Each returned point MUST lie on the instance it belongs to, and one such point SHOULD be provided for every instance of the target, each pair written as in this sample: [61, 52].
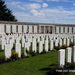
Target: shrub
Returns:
[57, 70]
[8, 60]
[53, 49]
[32, 53]
[57, 48]
[71, 44]
[70, 66]
[14, 56]
[13, 46]
[22, 55]
[2, 59]
[43, 52]
[64, 46]
[26, 56]
[37, 44]
[1, 50]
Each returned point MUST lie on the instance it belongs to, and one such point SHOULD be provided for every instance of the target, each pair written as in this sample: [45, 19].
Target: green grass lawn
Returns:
[37, 65]
[30, 66]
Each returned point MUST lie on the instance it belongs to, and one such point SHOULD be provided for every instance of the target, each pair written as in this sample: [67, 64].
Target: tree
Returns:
[5, 13]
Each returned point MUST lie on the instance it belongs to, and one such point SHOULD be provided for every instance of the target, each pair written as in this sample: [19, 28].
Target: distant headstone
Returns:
[74, 54]
[60, 42]
[40, 47]
[18, 49]
[34, 45]
[46, 45]
[25, 48]
[3, 43]
[68, 42]
[64, 41]
[51, 44]
[56, 42]
[23, 41]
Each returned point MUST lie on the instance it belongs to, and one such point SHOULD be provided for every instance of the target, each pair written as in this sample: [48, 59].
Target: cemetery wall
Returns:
[27, 27]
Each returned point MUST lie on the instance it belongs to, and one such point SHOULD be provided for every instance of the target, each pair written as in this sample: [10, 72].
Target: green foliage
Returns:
[32, 53]
[9, 60]
[14, 56]
[57, 70]
[5, 13]
[64, 46]
[43, 52]
[29, 66]
[37, 44]
[53, 49]
[22, 55]
[53, 70]
[71, 44]
[56, 48]
[1, 50]
[37, 51]
[70, 66]
[2, 59]
[13, 46]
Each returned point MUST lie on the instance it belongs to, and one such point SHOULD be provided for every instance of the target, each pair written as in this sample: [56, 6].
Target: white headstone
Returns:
[25, 48]
[51, 44]
[64, 41]
[18, 49]
[23, 41]
[60, 42]
[38, 39]
[68, 54]
[7, 51]
[74, 54]
[46, 45]
[34, 45]
[3, 43]
[11, 44]
[68, 42]
[40, 47]
[61, 57]
[56, 42]
[72, 40]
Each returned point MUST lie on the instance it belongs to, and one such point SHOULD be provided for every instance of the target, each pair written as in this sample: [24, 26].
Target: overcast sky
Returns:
[43, 11]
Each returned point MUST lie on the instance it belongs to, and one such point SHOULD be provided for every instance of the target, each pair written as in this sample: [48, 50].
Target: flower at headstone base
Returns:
[14, 56]
[64, 46]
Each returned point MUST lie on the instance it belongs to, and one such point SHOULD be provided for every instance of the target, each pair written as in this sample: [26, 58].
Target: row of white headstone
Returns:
[7, 42]
[67, 54]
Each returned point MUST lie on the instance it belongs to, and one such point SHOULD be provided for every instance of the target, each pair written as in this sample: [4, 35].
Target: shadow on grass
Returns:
[51, 70]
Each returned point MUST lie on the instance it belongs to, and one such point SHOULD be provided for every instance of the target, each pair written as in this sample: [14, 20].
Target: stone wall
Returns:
[27, 27]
